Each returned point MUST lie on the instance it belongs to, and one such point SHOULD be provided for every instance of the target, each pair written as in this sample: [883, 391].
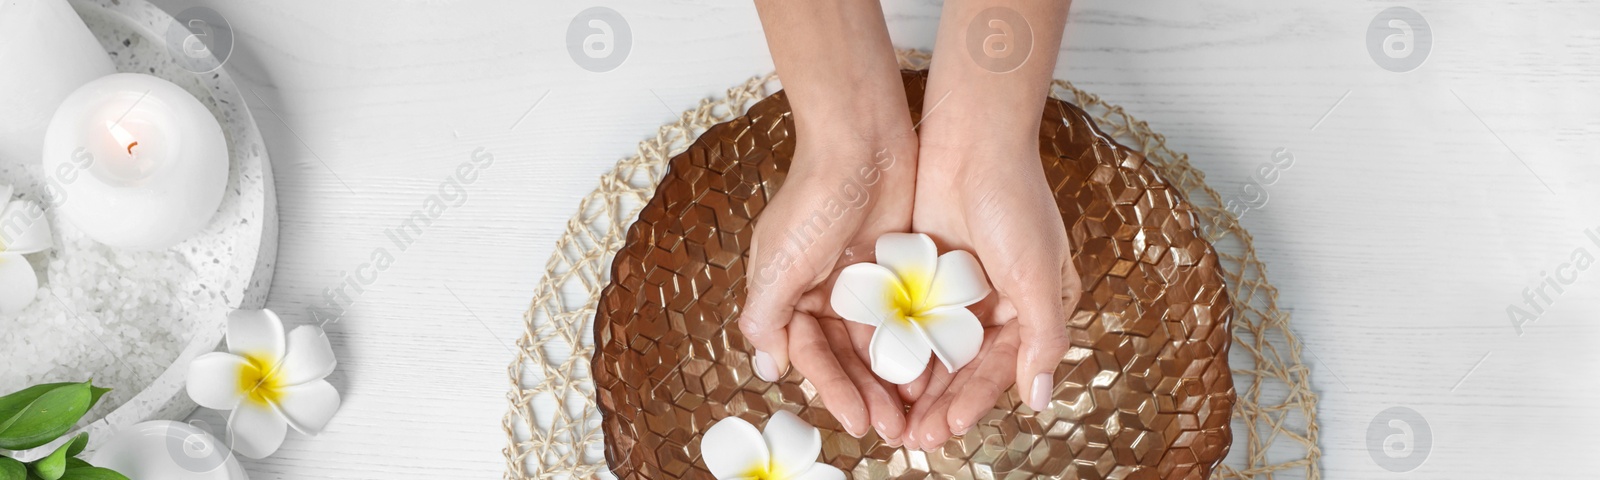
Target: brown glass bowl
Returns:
[1145, 391]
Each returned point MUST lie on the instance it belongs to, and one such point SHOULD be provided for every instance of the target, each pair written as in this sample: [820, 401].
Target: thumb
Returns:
[768, 307]
[778, 273]
[1041, 312]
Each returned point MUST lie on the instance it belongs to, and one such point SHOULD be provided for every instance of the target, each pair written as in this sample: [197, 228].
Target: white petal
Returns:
[257, 333]
[820, 471]
[213, 380]
[24, 228]
[732, 448]
[794, 443]
[309, 406]
[256, 431]
[309, 357]
[865, 293]
[912, 256]
[18, 284]
[955, 335]
[958, 282]
[899, 353]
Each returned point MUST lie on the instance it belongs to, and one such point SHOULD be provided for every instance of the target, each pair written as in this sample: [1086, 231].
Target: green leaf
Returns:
[95, 393]
[47, 417]
[76, 463]
[92, 473]
[11, 405]
[77, 444]
[52, 466]
[11, 469]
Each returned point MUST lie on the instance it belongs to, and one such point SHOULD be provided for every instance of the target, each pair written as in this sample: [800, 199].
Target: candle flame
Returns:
[123, 137]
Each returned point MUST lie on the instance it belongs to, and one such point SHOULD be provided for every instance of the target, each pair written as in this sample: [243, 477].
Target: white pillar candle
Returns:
[45, 53]
[135, 162]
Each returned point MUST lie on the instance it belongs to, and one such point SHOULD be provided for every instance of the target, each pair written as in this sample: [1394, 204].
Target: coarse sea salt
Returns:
[117, 317]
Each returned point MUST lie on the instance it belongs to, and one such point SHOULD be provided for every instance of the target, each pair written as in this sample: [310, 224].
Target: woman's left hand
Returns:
[989, 196]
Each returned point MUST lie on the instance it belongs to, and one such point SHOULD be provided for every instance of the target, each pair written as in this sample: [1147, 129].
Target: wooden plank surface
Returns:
[1419, 208]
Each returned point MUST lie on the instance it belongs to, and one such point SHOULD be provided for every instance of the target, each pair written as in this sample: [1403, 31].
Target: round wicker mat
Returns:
[1143, 394]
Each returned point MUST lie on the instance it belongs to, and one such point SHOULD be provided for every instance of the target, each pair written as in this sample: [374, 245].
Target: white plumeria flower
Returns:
[786, 450]
[23, 230]
[270, 384]
[918, 300]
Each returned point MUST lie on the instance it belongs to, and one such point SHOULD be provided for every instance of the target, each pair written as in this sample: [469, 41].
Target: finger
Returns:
[861, 340]
[932, 425]
[988, 381]
[910, 392]
[1041, 313]
[814, 359]
[779, 271]
[937, 381]
[995, 311]
[885, 411]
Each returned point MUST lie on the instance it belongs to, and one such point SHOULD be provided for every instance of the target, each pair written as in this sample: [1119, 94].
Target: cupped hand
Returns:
[847, 184]
[989, 196]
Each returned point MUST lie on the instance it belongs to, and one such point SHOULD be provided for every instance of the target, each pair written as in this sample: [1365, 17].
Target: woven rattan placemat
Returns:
[554, 427]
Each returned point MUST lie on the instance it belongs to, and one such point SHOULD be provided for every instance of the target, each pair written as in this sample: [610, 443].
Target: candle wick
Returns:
[130, 147]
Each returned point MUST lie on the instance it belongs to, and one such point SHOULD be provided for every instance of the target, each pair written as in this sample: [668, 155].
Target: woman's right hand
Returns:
[852, 179]
[848, 184]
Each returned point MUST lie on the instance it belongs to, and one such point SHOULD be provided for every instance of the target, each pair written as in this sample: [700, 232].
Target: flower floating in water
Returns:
[786, 450]
[918, 300]
[23, 230]
[269, 383]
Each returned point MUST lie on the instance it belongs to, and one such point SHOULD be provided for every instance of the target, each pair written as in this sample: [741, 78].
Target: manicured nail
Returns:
[962, 428]
[929, 444]
[1042, 385]
[766, 367]
[850, 427]
[891, 442]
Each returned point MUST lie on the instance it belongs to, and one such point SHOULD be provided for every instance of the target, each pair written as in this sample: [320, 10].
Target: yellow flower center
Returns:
[910, 296]
[761, 472]
[258, 382]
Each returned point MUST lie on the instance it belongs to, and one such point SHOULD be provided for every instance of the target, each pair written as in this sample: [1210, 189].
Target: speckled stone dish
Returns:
[234, 255]
[1144, 393]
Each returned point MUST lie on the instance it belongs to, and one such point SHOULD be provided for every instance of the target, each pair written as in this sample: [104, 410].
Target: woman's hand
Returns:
[981, 187]
[987, 194]
[841, 193]
[850, 181]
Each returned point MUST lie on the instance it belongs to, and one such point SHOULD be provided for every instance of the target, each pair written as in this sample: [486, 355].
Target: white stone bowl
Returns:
[242, 237]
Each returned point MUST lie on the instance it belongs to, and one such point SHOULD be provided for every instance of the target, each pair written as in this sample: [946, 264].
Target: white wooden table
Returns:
[1420, 205]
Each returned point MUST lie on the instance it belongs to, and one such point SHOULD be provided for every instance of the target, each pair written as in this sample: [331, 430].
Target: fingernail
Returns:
[766, 367]
[928, 442]
[962, 428]
[849, 425]
[1042, 385]
[891, 442]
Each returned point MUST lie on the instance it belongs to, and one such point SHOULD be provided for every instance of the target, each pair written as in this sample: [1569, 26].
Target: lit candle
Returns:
[135, 162]
[45, 53]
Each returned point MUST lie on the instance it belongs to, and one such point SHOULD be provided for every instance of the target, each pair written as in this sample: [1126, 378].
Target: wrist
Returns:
[868, 111]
